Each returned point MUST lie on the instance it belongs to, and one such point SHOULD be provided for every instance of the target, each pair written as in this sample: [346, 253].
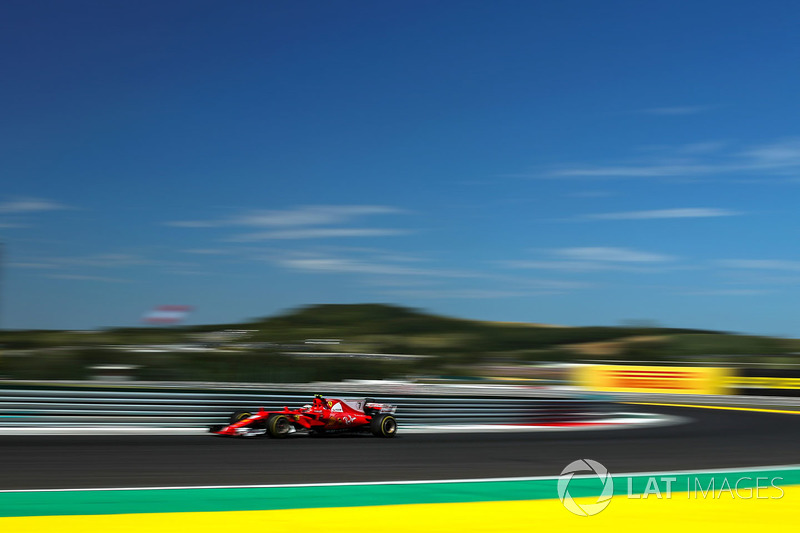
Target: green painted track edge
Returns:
[183, 500]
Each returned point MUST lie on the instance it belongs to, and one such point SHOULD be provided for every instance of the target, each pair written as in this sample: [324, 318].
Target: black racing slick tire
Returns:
[278, 426]
[238, 416]
[383, 426]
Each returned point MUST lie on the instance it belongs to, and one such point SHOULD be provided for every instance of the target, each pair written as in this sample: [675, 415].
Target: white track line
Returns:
[621, 422]
[599, 425]
[427, 481]
[98, 430]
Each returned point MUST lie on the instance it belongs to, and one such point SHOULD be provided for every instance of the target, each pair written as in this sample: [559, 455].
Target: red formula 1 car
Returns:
[325, 415]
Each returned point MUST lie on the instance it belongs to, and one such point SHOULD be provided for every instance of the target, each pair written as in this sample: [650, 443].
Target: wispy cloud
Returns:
[29, 205]
[706, 147]
[107, 260]
[699, 159]
[501, 287]
[314, 215]
[682, 212]
[401, 274]
[781, 155]
[301, 223]
[589, 259]
[30, 265]
[639, 171]
[315, 233]
[467, 294]
[207, 251]
[730, 292]
[402, 271]
[342, 265]
[317, 215]
[111, 267]
[82, 277]
[196, 223]
[614, 255]
[17, 212]
[761, 264]
[100, 260]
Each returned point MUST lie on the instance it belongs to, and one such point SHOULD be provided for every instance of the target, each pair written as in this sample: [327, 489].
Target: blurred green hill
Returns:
[332, 342]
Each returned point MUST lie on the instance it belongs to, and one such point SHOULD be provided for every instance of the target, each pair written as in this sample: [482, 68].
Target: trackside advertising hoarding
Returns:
[658, 379]
[766, 381]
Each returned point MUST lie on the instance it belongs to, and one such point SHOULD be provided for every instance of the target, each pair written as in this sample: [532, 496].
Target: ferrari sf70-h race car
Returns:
[325, 415]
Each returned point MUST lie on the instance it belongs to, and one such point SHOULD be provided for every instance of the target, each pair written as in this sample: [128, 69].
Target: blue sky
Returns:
[577, 163]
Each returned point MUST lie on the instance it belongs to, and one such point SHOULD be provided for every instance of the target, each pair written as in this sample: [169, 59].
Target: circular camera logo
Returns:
[585, 509]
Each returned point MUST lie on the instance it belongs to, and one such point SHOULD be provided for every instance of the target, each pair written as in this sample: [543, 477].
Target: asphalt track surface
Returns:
[710, 439]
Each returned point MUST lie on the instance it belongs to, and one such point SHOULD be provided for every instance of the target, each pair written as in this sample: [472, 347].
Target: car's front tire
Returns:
[238, 416]
[383, 426]
[278, 426]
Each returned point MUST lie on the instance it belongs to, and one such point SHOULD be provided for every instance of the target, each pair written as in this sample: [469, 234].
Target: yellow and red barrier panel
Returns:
[657, 379]
[778, 382]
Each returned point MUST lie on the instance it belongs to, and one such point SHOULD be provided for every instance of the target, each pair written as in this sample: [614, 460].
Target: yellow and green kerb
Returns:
[761, 499]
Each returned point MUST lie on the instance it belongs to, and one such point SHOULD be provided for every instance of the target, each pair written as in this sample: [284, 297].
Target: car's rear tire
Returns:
[384, 425]
[238, 416]
[278, 426]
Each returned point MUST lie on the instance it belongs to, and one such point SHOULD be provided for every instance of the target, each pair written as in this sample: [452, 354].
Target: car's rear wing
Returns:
[381, 407]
